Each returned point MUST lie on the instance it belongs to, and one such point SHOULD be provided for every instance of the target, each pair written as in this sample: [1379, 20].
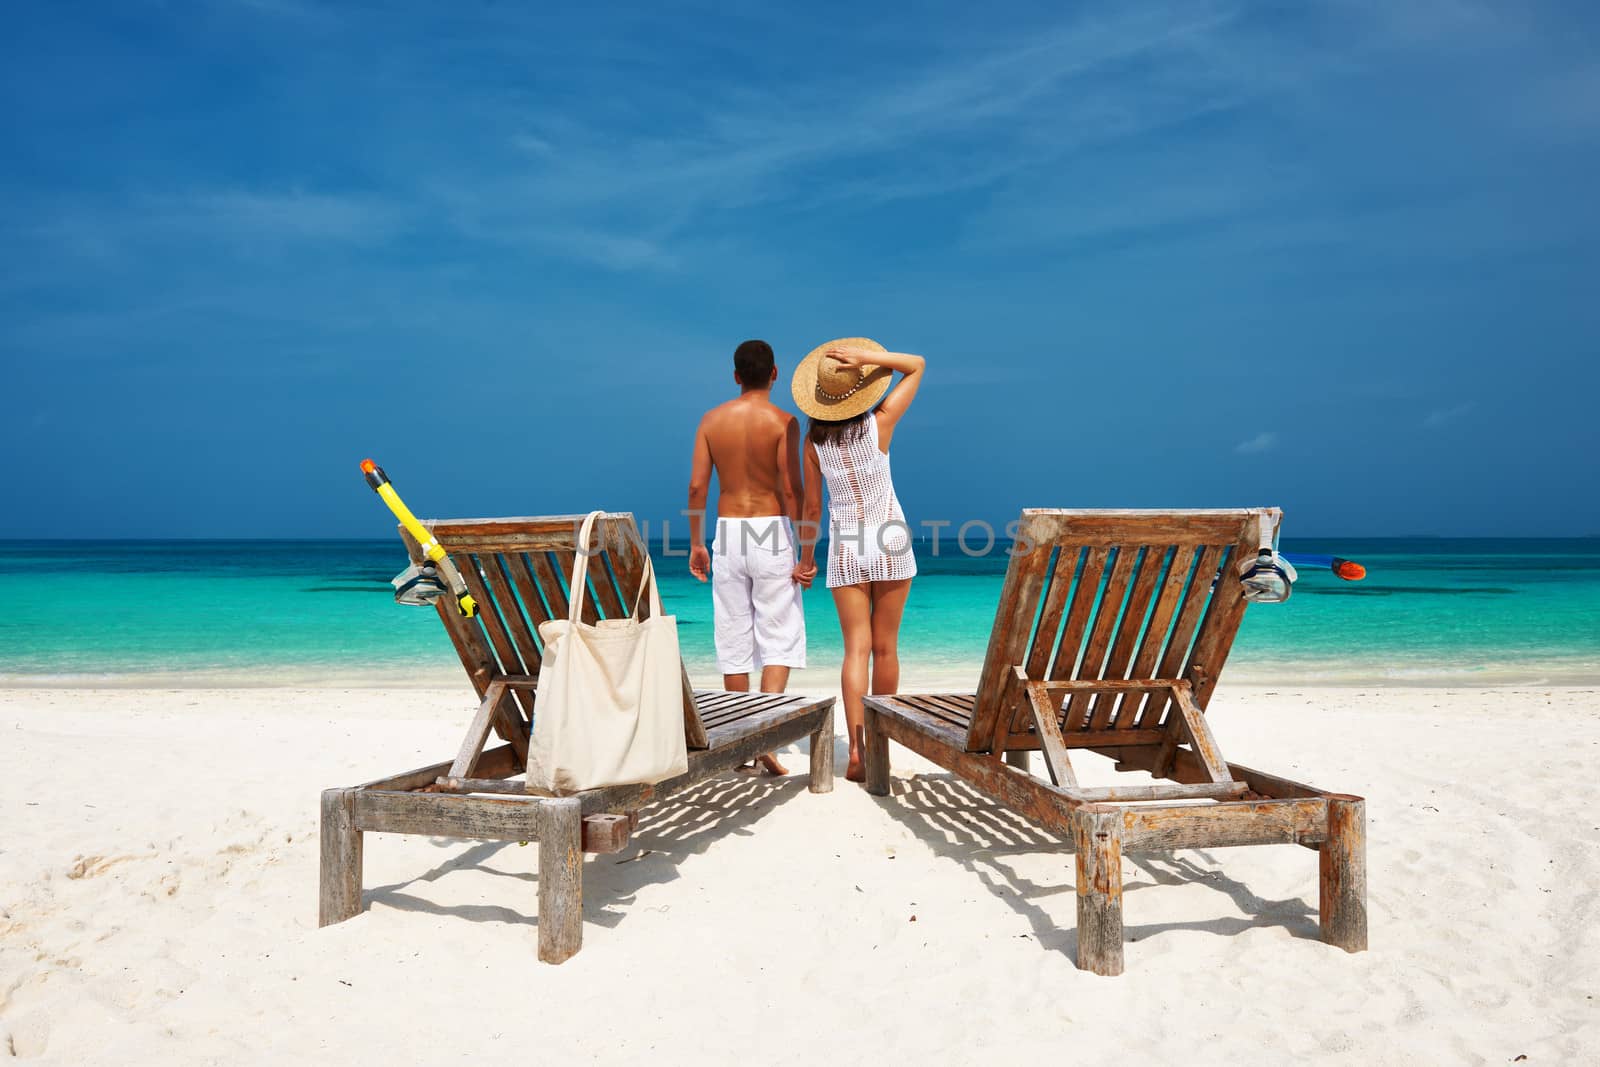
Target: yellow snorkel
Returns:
[431, 548]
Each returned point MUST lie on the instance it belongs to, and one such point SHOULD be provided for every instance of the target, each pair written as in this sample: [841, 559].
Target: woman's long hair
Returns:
[840, 432]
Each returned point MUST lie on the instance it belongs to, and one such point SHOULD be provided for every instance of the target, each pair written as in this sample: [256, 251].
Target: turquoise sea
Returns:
[1431, 611]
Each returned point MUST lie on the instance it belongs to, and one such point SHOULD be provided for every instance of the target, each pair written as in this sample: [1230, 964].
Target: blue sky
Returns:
[1338, 257]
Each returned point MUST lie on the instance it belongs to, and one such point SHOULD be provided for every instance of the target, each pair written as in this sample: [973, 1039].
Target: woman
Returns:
[870, 564]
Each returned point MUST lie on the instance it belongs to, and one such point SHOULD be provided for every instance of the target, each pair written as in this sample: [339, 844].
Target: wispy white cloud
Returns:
[1445, 416]
[112, 229]
[1261, 442]
[967, 122]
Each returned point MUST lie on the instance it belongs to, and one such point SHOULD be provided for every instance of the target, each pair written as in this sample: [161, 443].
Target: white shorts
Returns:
[760, 621]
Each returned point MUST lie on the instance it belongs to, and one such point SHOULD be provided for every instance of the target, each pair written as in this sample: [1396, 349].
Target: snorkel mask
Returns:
[1268, 578]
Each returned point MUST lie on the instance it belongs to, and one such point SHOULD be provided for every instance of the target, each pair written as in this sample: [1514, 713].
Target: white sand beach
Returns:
[158, 897]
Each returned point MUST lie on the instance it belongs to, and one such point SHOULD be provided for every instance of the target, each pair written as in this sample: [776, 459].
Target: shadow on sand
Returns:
[670, 832]
[959, 823]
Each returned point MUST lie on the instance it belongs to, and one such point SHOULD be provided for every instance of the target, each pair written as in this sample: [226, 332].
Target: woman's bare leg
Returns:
[854, 605]
[888, 605]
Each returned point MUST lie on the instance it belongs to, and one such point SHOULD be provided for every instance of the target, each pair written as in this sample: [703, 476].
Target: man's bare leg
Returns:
[773, 679]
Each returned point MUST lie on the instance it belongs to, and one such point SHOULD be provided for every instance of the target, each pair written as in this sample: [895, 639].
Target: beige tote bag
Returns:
[609, 707]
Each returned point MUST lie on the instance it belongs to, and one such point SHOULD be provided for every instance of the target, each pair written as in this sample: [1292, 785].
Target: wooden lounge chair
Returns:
[1111, 631]
[516, 570]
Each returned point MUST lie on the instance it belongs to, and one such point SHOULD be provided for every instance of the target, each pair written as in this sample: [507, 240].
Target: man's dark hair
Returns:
[752, 361]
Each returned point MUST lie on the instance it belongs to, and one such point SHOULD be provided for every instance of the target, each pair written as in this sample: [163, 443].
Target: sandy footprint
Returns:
[95, 866]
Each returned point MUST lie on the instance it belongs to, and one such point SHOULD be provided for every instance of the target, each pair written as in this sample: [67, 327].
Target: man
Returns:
[753, 446]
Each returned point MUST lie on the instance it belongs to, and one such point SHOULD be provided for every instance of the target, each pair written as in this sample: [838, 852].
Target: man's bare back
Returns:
[754, 447]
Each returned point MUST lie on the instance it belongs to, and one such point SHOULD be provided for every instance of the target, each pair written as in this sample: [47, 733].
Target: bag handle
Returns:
[578, 584]
[648, 579]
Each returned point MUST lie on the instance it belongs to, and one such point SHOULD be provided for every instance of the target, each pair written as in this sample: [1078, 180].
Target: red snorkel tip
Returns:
[375, 476]
[1349, 570]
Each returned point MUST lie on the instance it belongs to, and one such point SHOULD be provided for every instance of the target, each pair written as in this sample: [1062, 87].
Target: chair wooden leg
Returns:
[1097, 838]
[1018, 758]
[559, 823]
[1342, 862]
[340, 886]
[822, 756]
[877, 754]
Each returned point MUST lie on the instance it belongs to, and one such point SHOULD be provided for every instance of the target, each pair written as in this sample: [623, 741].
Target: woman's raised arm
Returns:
[900, 397]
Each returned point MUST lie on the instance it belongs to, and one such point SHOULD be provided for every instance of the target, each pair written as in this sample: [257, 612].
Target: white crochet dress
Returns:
[868, 539]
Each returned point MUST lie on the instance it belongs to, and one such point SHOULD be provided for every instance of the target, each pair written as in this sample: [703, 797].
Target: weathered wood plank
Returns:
[447, 815]
[877, 753]
[511, 614]
[1155, 634]
[1187, 768]
[477, 731]
[1240, 822]
[1097, 839]
[1048, 729]
[1199, 732]
[495, 763]
[1076, 714]
[559, 530]
[938, 728]
[1111, 685]
[1019, 596]
[1055, 603]
[550, 583]
[1128, 629]
[559, 830]
[499, 638]
[616, 600]
[822, 756]
[1199, 791]
[512, 787]
[339, 895]
[1109, 527]
[528, 591]
[1083, 602]
[1223, 616]
[1172, 657]
[1342, 881]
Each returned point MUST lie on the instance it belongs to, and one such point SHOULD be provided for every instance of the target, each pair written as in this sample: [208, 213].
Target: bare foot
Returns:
[768, 763]
[855, 772]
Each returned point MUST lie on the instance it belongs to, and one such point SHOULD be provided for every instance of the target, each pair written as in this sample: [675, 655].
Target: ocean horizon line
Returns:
[949, 535]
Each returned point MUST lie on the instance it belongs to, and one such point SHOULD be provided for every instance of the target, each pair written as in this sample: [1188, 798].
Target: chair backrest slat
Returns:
[1194, 603]
[1083, 602]
[1173, 584]
[1128, 631]
[517, 570]
[1094, 653]
[1119, 595]
[511, 613]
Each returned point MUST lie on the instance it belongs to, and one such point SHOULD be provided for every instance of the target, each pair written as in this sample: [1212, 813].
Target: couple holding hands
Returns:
[770, 478]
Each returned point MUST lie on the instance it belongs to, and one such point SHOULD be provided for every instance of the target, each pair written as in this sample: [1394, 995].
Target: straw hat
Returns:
[825, 388]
